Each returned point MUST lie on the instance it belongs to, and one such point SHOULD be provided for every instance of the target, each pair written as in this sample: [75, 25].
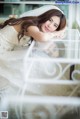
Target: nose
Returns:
[50, 25]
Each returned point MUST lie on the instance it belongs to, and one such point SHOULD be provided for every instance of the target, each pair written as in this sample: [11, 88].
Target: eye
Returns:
[56, 25]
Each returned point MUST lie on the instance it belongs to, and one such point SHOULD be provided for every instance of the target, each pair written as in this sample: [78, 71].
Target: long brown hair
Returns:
[35, 21]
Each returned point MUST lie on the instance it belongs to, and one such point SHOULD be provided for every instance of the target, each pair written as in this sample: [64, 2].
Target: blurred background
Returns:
[17, 7]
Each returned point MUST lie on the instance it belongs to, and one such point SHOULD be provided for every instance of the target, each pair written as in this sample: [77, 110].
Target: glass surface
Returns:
[50, 88]
[37, 107]
[66, 48]
[55, 59]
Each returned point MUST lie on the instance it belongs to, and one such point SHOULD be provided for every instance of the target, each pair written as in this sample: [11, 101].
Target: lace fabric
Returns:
[8, 39]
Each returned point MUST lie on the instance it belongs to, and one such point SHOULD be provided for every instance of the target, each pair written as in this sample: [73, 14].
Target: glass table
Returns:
[60, 55]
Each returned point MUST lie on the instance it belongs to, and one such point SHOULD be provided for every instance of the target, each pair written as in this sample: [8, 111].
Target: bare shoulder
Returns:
[33, 31]
[17, 27]
[33, 28]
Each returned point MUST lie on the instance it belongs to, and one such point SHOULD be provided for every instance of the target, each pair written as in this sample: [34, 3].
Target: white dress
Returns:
[9, 40]
[11, 62]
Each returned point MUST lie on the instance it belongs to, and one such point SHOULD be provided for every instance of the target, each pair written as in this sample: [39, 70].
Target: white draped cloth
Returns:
[11, 58]
[9, 39]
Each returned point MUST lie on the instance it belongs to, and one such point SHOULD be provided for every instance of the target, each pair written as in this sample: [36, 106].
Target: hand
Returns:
[60, 34]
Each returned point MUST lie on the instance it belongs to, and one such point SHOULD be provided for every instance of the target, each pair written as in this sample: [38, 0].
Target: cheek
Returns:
[54, 28]
[45, 24]
[42, 27]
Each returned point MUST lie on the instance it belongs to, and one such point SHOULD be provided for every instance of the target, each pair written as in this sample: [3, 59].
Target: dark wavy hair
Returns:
[35, 21]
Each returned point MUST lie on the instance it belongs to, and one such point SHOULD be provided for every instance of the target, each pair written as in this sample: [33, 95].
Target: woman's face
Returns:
[51, 25]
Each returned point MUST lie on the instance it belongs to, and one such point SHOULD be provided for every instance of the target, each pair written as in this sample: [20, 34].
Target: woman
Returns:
[12, 32]
[40, 28]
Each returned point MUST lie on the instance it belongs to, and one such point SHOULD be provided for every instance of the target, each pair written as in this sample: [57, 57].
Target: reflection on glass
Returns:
[26, 109]
[68, 47]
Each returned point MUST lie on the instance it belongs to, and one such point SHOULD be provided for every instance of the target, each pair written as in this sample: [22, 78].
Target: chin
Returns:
[43, 30]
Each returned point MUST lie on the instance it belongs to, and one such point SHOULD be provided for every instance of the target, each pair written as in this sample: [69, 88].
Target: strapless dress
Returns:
[9, 39]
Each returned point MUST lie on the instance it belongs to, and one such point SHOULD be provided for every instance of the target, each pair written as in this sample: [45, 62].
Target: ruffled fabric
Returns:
[9, 40]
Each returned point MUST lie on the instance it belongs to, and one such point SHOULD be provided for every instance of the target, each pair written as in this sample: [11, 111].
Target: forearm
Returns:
[48, 36]
[38, 35]
[41, 37]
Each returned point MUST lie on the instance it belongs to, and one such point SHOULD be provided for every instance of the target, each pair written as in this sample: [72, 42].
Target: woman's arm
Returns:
[34, 32]
[60, 34]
